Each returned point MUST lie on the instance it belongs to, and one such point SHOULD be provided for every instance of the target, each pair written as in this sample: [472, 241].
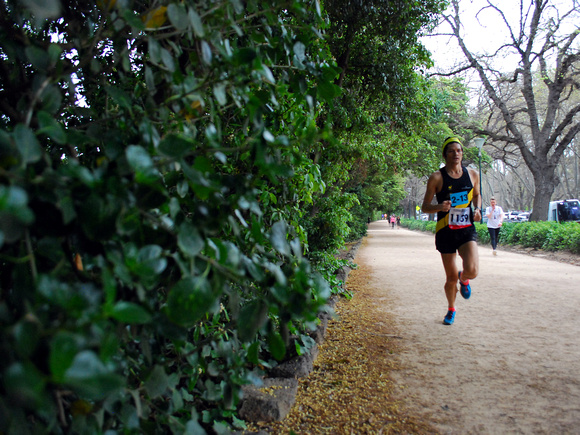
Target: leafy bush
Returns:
[413, 224]
[551, 236]
[574, 238]
[535, 235]
[514, 234]
[482, 234]
[565, 236]
[328, 227]
[505, 234]
[419, 225]
[430, 226]
[152, 167]
[328, 264]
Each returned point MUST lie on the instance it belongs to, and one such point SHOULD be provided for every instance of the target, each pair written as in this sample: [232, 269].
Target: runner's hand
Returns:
[446, 205]
[477, 215]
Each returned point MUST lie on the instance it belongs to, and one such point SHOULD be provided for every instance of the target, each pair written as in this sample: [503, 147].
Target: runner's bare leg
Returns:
[451, 271]
[470, 256]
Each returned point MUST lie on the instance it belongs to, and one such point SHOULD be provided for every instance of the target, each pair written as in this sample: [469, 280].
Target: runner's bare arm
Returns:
[476, 199]
[434, 185]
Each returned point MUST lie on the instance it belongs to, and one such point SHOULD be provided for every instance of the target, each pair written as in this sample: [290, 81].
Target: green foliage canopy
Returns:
[381, 113]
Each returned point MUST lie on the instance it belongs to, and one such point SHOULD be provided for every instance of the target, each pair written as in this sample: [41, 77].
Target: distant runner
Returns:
[494, 215]
[456, 188]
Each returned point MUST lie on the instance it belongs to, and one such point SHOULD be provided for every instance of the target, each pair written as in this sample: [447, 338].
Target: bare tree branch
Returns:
[538, 120]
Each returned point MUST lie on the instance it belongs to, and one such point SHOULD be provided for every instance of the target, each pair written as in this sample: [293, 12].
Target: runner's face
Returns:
[454, 153]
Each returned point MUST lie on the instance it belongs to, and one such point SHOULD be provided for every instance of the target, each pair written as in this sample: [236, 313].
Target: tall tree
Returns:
[545, 75]
[384, 101]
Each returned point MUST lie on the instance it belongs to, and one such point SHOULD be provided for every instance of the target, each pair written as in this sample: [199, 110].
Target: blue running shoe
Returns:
[465, 287]
[449, 318]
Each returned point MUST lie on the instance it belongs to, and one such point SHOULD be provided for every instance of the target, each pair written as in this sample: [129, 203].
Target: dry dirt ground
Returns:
[510, 364]
[511, 361]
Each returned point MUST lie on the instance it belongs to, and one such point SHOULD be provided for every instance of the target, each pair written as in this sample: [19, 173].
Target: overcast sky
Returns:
[484, 30]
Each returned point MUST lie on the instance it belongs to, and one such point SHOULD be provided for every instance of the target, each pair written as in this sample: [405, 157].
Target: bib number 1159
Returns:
[459, 217]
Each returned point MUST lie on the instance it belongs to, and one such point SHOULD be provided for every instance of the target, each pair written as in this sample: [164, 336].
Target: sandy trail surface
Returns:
[509, 364]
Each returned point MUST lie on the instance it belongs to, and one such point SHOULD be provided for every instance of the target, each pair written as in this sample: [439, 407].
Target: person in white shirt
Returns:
[495, 216]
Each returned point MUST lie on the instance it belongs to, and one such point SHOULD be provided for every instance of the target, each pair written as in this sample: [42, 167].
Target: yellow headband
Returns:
[450, 140]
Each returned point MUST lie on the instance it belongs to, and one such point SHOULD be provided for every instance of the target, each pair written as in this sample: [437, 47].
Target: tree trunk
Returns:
[545, 183]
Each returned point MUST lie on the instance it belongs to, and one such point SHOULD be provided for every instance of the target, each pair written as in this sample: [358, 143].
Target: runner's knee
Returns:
[471, 271]
[451, 279]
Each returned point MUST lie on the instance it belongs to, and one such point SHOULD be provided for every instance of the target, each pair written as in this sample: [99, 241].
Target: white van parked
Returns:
[565, 210]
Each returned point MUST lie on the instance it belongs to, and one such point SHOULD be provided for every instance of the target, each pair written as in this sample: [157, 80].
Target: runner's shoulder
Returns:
[473, 173]
[435, 176]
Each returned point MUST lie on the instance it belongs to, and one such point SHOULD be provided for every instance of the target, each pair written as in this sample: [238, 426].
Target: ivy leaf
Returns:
[195, 21]
[178, 16]
[89, 376]
[157, 382]
[189, 301]
[130, 313]
[189, 240]
[43, 9]
[63, 349]
[49, 126]
[276, 345]
[278, 238]
[252, 317]
[27, 144]
[175, 147]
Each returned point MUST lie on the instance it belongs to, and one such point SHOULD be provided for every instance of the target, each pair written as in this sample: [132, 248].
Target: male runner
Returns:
[456, 188]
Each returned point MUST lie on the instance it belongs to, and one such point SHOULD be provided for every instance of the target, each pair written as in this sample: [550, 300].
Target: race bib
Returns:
[459, 218]
[459, 198]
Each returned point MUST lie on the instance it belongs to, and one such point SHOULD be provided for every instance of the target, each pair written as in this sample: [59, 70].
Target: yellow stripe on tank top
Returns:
[442, 223]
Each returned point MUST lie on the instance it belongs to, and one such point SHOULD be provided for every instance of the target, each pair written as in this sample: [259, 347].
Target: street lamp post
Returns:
[479, 144]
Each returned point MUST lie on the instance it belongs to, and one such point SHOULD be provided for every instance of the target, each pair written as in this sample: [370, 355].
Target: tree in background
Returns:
[376, 119]
[447, 116]
[527, 110]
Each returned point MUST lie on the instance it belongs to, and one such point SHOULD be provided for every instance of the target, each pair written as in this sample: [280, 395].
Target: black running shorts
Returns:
[447, 241]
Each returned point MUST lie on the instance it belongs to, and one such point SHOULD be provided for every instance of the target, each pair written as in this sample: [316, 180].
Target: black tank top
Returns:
[460, 192]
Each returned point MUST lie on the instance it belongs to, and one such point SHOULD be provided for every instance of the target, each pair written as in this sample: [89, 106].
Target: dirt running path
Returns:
[509, 364]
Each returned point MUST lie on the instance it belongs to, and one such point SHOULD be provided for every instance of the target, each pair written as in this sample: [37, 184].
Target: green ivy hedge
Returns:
[153, 172]
[550, 236]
